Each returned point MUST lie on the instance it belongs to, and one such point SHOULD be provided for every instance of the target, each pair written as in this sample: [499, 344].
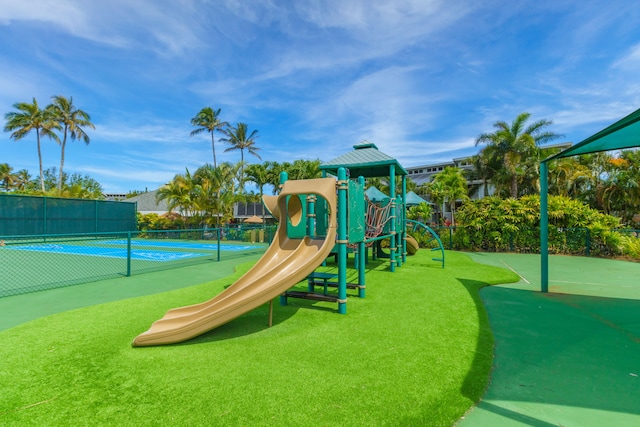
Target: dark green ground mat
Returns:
[563, 359]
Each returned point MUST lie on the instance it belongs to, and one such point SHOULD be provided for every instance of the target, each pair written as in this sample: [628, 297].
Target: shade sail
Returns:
[375, 195]
[413, 199]
[625, 133]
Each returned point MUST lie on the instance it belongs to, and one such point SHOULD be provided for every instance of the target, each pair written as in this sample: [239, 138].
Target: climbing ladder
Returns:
[425, 229]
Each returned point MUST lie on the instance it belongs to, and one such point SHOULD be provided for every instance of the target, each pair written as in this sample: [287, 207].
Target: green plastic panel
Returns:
[297, 216]
[356, 212]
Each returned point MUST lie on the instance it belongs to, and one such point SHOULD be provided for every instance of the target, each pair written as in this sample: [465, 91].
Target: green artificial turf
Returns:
[416, 351]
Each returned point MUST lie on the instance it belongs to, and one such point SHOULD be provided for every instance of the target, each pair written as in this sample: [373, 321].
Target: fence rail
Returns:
[40, 262]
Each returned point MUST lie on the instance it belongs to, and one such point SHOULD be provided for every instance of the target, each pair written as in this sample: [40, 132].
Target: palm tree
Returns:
[257, 173]
[239, 139]
[515, 143]
[22, 180]
[453, 187]
[30, 117]
[207, 120]
[178, 193]
[7, 177]
[71, 120]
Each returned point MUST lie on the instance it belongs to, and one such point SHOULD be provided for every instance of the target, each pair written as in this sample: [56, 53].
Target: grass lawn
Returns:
[416, 351]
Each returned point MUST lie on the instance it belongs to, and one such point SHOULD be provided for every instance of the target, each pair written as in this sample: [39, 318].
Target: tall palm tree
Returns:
[239, 138]
[514, 143]
[30, 117]
[207, 120]
[72, 120]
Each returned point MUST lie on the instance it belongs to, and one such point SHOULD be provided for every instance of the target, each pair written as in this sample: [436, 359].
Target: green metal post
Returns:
[129, 254]
[362, 259]
[588, 241]
[342, 240]
[44, 217]
[311, 216]
[544, 228]
[392, 195]
[403, 228]
[219, 239]
[95, 206]
[283, 217]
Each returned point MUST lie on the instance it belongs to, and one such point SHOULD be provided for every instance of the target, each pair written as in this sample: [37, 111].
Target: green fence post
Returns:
[44, 217]
[219, 231]
[450, 238]
[128, 254]
[588, 241]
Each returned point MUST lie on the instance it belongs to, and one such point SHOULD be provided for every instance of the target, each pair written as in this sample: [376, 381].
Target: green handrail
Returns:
[433, 233]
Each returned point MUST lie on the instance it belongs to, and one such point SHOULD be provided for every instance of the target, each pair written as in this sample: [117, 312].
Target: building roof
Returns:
[365, 160]
[147, 202]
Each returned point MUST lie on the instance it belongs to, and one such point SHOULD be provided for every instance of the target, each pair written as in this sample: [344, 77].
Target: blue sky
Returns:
[420, 79]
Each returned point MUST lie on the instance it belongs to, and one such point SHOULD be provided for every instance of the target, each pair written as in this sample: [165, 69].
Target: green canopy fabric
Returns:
[625, 133]
[375, 195]
[413, 199]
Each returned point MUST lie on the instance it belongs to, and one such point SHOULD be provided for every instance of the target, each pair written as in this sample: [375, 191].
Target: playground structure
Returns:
[316, 218]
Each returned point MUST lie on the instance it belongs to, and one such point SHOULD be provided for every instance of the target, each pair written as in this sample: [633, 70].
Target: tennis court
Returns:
[30, 266]
[119, 249]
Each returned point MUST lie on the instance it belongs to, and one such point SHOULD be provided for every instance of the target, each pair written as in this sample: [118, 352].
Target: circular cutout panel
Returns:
[294, 210]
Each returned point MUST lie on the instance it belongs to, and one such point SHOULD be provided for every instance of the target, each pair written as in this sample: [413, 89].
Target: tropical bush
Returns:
[494, 224]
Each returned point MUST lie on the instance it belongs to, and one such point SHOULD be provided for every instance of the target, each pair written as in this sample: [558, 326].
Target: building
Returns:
[425, 173]
[147, 203]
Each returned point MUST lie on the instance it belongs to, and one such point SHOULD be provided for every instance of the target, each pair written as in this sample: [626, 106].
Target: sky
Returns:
[421, 79]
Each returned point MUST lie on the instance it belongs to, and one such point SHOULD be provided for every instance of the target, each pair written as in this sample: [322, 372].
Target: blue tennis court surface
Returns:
[136, 254]
[183, 245]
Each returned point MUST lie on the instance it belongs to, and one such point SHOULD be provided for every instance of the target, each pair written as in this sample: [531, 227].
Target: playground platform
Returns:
[567, 358]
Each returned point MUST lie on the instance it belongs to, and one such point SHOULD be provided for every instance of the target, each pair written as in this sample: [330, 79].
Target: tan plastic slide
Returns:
[285, 263]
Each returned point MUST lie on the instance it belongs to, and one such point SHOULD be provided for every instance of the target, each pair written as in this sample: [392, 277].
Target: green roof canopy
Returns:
[365, 160]
[625, 133]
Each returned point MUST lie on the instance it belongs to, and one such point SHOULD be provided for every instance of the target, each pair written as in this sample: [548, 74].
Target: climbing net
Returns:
[377, 219]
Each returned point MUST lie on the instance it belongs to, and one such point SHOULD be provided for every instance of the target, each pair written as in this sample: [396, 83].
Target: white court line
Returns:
[510, 268]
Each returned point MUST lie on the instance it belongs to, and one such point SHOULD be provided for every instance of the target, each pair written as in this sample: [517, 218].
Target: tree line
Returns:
[60, 121]
[508, 162]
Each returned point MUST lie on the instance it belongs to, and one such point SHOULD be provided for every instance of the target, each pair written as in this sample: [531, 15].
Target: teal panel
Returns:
[296, 216]
[322, 217]
[356, 212]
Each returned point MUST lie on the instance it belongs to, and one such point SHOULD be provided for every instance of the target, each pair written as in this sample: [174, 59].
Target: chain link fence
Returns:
[40, 262]
[568, 241]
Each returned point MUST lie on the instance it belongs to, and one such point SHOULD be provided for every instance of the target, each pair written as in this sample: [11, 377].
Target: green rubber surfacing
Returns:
[563, 359]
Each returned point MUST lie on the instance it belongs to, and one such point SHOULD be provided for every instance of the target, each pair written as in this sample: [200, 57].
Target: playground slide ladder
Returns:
[434, 237]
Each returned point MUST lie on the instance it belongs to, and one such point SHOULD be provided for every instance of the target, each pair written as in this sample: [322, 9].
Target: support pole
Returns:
[362, 259]
[392, 194]
[544, 228]
[403, 226]
[342, 240]
[283, 217]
